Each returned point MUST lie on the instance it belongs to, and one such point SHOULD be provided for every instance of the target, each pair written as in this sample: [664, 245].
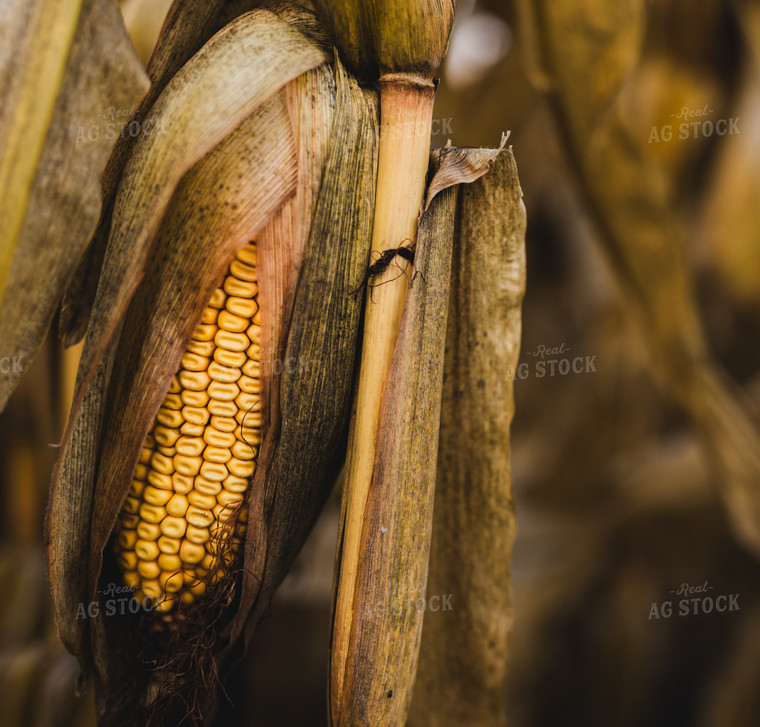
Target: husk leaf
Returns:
[62, 67]
[463, 656]
[233, 74]
[375, 637]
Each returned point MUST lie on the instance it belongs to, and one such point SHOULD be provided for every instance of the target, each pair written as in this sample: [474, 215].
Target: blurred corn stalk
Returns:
[582, 55]
[251, 132]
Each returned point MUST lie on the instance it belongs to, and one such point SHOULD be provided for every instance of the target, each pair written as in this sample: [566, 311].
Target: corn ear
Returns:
[184, 518]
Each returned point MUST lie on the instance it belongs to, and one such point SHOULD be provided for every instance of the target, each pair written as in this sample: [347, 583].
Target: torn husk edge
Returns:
[371, 681]
[463, 656]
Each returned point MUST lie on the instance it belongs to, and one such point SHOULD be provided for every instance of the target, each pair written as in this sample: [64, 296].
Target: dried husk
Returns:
[374, 640]
[63, 65]
[463, 655]
[188, 26]
[585, 53]
[201, 105]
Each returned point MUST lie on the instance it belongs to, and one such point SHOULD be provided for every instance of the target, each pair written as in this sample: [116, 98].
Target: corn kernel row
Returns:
[184, 519]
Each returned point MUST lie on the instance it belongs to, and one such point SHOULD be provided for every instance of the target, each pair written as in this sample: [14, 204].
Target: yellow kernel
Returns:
[238, 485]
[254, 332]
[222, 513]
[240, 288]
[214, 471]
[195, 414]
[129, 521]
[169, 418]
[257, 317]
[145, 454]
[171, 582]
[167, 562]
[205, 332]
[194, 380]
[172, 401]
[191, 430]
[251, 367]
[199, 536]
[166, 437]
[194, 362]
[182, 483]
[241, 468]
[152, 513]
[224, 374]
[199, 518]
[229, 499]
[248, 402]
[217, 299]
[209, 315]
[243, 517]
[190, 446]
[243, 272]
[167, 451]
[249, 435]
[161, 463]
[223, 392]
[222, 408]
[160, 480]
[207, 487]
[128, 561]
[223, 424]
[154, 496]
[232, 323]
[148, 570]
[173, 527]
[148, 531]
[249, 417]
[189, 466]
[243, 451]
[174, 387]
[202, 348]
[131, 577]
[231, 359]
[151, 588]
[146, 549]
[248, 254]
[249, 385]
[243, 307]
[191, 553]
[127, 539]
[208, 562]
[168, 545]
[132, 505]
[232, 341]
[164, 604]
[141, 471]
[195, 398]
[136, 488]
[177, 506]
[197, 499]
[216, 454]
[216, 438]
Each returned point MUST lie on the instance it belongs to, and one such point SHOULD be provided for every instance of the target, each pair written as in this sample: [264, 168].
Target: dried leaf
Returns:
[463, 657]
[63, 69]
[458, 166]
[234, 73]
[371, 681]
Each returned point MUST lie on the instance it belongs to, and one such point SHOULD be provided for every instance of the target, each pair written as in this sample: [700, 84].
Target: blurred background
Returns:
[618, 505]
